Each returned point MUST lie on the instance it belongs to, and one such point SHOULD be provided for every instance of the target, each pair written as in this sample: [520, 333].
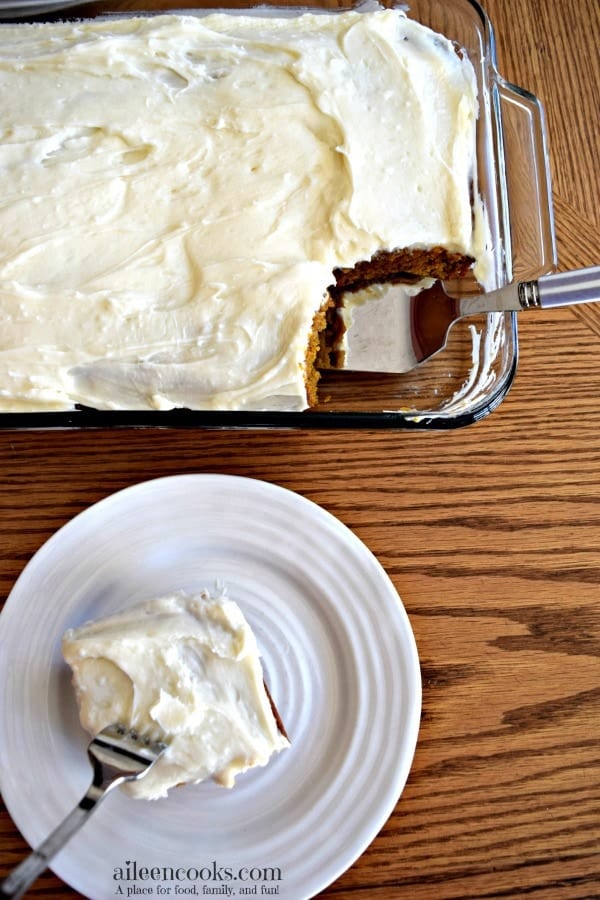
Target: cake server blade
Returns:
[393, 332]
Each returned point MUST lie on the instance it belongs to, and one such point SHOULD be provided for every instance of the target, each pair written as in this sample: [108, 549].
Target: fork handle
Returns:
[32, 866]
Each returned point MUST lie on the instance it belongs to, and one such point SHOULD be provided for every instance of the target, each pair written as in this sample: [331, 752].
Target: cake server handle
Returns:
[545, 292]
[567, 288]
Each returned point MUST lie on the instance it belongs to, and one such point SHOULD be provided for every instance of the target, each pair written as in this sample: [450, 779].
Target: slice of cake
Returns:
[182, 196]
[184, 669]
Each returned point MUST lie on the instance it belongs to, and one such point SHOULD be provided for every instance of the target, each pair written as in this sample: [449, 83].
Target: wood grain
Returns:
[491, 535]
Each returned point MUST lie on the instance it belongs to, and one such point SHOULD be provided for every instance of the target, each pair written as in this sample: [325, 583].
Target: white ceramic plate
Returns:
[339, 657]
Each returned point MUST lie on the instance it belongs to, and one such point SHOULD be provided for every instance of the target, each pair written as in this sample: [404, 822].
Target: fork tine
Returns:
[118, 755]
[127, 746]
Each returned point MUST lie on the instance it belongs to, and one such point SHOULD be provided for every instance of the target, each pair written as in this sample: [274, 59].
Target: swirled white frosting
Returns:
[176, 191]
[184, 669]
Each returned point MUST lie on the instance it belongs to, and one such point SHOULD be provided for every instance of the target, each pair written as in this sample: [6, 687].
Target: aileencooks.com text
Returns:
[149, 879]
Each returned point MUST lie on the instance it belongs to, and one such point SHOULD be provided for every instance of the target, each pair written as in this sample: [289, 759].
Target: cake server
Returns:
[393, 332]
[116, 755]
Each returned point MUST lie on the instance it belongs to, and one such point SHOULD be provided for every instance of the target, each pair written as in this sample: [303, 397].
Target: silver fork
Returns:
[117, 755]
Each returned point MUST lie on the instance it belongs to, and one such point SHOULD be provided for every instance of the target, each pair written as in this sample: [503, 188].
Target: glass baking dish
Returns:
[472, 375]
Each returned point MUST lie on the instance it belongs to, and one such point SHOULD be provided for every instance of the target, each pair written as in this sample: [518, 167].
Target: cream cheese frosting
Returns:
[177, 190]
[184, 669]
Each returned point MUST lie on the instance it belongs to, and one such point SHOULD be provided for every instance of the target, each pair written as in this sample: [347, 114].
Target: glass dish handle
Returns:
[533, 242]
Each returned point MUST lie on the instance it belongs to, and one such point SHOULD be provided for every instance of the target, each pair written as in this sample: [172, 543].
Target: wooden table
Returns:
[491, 535]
